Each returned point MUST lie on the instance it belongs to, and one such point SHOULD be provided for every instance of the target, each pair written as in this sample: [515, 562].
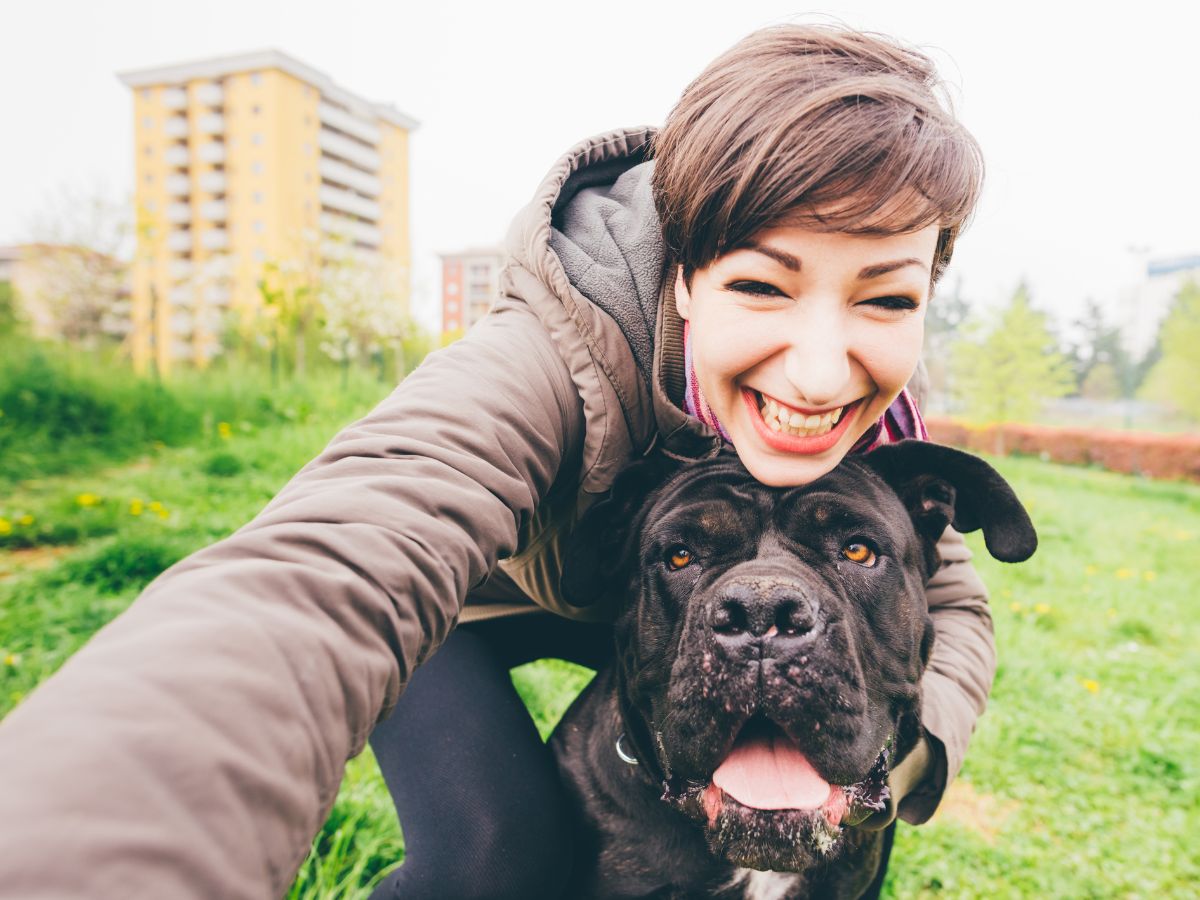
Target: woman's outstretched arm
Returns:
[195, 745]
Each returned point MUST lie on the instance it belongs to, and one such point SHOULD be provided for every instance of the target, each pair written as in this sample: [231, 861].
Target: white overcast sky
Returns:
[1088, 113]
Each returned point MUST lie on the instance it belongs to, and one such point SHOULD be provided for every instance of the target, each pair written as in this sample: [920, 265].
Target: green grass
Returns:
[1081, 781]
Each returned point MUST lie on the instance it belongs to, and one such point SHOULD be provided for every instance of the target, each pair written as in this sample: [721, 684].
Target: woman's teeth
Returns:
[780, 418]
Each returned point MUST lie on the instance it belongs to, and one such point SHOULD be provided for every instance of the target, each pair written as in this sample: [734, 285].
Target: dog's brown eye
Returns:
[679, 557]
[859, 553]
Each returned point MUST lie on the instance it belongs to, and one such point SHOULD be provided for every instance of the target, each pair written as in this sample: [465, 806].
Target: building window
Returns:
[256, 168]
[149, 179]
[148, 150]
[147, 93]
[452, 288]
[255, 110]
[258, 197]
[256, 138]
[452, 306]
[260, 255]
[148, 122]
[308, 149]
[256, 78]
[259, 226]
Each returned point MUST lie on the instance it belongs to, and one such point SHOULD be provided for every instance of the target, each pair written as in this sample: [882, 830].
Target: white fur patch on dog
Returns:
[764, 885]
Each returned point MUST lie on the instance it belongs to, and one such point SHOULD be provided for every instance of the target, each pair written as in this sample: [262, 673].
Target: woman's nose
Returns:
[817, 361]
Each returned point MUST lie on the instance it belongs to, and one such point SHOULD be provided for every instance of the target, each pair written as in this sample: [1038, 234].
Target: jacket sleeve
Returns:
[956, 683]
[195, 745]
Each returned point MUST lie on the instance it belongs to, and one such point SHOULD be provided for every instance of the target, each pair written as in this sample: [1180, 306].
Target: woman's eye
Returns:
[757, 288]
[859, 553]
[893, 302]
[679, 557]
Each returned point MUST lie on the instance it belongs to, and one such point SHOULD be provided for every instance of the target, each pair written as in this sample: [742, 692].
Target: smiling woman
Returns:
[757, 274]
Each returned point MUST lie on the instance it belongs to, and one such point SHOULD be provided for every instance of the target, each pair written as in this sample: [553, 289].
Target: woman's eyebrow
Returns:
[885, 268]
[784, 259]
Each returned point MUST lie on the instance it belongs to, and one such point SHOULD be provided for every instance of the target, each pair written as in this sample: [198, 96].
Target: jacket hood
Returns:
[586, 254]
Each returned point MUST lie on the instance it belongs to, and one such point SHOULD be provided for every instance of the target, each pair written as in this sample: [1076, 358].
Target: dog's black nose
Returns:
[763, 609]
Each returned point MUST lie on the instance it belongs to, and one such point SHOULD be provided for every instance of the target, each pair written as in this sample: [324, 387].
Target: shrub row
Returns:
[1133, 452]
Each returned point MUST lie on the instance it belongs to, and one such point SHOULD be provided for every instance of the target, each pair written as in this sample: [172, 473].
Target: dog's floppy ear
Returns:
[940, 485]
[591, 555]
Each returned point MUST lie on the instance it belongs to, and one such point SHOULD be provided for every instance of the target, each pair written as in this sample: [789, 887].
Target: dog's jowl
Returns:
[770, 648]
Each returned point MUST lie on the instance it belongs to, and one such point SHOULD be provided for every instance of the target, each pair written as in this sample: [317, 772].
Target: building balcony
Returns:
[213, 182]
[179, 241]
[214, 210]
[214, 239]
[347, 202]
[212, 152]
[339, 228]
[210, 94]
[178, 185]
[180, 269]
[349, 150]
[175, 127]
[211, 123]
[363, 129]
[176, 155]
[217, 295]
[179, 213]
[174, 98]
[182, 295]
[332, 170]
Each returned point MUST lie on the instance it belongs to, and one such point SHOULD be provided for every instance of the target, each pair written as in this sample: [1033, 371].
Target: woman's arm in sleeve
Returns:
[194, 746]
[956, 683]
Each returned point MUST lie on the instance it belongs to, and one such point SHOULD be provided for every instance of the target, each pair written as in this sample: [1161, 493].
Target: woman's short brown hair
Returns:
[817, 125]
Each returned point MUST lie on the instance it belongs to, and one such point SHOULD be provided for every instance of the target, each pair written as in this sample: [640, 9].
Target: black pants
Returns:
[476, 790]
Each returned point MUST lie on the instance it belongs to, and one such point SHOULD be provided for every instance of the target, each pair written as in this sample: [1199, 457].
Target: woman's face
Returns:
[801, 339]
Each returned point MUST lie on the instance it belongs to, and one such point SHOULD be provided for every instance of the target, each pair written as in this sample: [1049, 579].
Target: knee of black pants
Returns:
[478, 794]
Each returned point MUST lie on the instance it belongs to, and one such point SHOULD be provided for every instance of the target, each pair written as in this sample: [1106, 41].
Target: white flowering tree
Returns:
[362, 310]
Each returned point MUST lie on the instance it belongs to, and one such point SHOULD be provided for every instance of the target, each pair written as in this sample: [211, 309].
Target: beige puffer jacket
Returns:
[196, 744]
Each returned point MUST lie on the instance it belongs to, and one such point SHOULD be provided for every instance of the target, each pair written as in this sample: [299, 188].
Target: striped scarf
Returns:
[899, 421]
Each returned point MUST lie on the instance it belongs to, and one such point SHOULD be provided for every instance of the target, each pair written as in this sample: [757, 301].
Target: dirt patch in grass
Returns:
[30, 559]
[982, 814]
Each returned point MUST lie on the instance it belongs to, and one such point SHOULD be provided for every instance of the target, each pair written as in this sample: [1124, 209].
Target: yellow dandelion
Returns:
[1015, 606]
[12, 660]
[1149, 576]
[5, 526]
[1090, 685]
[158, 509]
[1112, 613]
[87, 499]
[224, 430]
[1006, 593]
[136, 506]
[1041, 608]
[1089, 570]
[16, 697]
[159, 445]
[1183, 535]
[1124, 574]
[25, 520]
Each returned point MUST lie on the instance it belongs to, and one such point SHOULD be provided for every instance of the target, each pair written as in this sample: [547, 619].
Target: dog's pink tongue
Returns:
[769, 772]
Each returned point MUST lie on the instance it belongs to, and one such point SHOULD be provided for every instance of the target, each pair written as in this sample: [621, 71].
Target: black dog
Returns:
[769, 655]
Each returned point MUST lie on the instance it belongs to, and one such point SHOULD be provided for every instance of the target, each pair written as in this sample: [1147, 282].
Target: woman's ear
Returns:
[683, 300]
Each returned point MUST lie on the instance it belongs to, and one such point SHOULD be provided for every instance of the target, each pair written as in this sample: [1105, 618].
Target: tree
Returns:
[947, 314]
[1175, 378]
[1103, 368]
[1005, 371]
[362, 312]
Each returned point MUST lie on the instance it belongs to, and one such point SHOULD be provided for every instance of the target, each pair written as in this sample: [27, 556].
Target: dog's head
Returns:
[773, 639]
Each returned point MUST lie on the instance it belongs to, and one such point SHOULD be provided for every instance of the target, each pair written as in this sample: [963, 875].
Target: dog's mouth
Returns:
[766, 805]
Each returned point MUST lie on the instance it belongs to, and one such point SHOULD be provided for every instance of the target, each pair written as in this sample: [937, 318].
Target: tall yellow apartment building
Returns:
[246, 163]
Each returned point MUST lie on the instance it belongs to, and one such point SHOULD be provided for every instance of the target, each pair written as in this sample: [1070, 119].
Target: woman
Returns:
[762, 281]
[802, 200]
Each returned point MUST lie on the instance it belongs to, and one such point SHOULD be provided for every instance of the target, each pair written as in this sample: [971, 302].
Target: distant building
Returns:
[68, 293]
[244, 161]
[1151, 300]
[470, 285]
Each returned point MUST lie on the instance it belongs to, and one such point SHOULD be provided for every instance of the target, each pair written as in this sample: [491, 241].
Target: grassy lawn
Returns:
[1082, 779]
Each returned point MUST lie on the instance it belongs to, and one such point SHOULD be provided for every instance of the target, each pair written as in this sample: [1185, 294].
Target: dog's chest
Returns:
[756, 885]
